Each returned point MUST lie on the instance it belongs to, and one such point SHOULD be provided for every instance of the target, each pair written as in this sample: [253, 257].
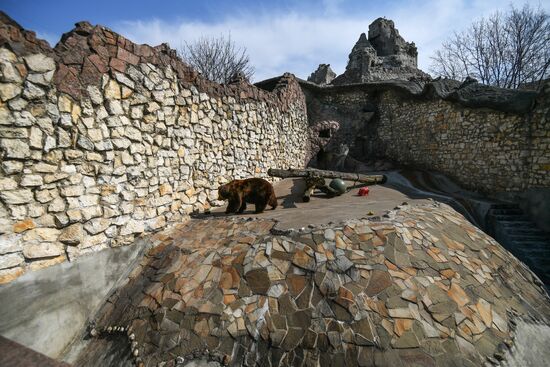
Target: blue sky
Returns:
[280, 36]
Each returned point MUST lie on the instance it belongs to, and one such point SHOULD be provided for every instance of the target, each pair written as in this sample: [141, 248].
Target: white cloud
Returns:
[297, 43]
[278, 44]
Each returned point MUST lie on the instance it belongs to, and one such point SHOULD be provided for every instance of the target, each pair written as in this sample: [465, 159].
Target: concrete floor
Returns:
[293, 213]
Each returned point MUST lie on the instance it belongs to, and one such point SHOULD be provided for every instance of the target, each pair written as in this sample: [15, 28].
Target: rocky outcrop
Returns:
[385, 39]
[323, 75]
[384, 55]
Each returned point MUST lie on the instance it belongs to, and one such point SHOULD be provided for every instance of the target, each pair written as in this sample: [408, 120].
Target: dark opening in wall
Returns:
[325, 133]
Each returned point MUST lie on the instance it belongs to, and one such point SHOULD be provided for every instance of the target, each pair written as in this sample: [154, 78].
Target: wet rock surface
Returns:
[418, 286]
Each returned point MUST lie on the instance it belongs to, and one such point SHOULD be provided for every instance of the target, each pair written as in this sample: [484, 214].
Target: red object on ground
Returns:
[363, 191]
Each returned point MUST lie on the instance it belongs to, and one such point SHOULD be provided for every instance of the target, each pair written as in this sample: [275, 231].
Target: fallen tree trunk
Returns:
[312, 172]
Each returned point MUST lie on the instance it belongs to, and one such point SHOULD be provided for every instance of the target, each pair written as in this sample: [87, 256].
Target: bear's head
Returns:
[223, 192]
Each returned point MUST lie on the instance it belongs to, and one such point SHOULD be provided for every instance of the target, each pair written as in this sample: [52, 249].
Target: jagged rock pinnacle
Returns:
[383, 55]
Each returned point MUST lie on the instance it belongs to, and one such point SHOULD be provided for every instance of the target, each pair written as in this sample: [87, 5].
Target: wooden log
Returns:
[291, 172]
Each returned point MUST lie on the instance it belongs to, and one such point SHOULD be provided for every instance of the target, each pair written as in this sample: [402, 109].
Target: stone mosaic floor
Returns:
[419, 286]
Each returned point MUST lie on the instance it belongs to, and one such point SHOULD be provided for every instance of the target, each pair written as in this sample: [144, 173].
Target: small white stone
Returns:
[32, 91]
[11, 260]
[32, 180]
[10, 73]
[121, 78]
[75, 190]
[9, 91]
[114, 107]
[132, 133]
[95, 94]
[16, 196]
[57, 205]
[15, 148]
[40, 63]
[132, 227]
[18, 104]
[49, 144]
[97, 225]
[35, 138]
[41, 79]
[7, 184]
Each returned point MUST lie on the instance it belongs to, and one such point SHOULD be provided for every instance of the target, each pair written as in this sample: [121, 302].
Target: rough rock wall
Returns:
[482, 148]
[352, 111]
[540, 140]
[320, 134]
[102, 140]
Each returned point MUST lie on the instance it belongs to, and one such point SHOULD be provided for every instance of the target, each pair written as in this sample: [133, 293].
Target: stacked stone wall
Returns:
[351, 110]
[483, 149]
[102, 140]
[539, 176]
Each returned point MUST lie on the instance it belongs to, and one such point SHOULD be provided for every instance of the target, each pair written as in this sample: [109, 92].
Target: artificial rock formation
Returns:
[384, 55]
[323, 75]
[385, 39]
[320, 135]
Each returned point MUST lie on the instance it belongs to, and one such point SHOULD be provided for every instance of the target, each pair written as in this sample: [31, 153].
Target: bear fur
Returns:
[255, 191]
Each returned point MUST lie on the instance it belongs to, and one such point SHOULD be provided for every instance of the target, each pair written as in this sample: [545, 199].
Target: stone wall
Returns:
[351, 109]
[483, 149]
[539, 129]
[102, 140]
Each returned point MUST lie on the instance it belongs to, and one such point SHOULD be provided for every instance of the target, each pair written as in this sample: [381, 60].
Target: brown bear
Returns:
[255, 191]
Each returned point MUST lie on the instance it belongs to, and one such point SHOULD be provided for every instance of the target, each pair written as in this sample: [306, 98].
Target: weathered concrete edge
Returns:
[48, 310]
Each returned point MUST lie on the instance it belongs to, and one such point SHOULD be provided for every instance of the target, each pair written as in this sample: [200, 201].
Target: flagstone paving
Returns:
[419, 286]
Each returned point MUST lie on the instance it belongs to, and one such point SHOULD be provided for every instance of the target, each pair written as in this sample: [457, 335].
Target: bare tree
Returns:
[505, 50]
[217, 59]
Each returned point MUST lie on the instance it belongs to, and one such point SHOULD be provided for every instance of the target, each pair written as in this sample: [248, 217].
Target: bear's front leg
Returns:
[242, 208]
[234, 204]
[231, 207]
